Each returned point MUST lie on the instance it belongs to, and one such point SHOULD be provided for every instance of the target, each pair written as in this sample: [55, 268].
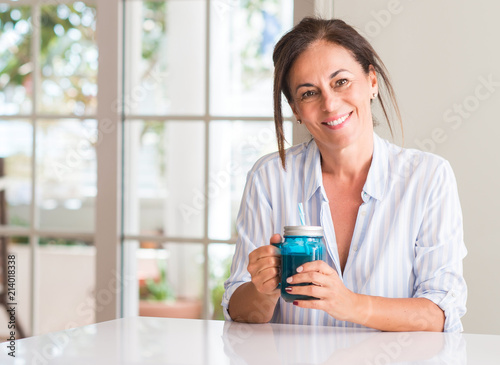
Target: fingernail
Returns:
[289, 280]
[295, 302]
[288, 289]
[300, 268]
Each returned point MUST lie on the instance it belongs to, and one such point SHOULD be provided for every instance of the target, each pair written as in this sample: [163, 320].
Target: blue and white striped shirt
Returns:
[407, 240]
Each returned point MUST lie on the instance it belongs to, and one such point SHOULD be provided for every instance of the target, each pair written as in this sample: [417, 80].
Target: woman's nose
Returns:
[329, 100]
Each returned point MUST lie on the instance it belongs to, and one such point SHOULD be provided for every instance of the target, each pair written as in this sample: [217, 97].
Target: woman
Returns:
[392, 217]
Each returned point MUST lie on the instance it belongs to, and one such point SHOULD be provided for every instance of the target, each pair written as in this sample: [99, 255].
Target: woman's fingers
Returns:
[266, 280]
[318, 265]
[263, 257]
[263, 251]
[317, 272]
[263, 266]
[266, 263]
[275, 238]
[325, 285]
[315, 278]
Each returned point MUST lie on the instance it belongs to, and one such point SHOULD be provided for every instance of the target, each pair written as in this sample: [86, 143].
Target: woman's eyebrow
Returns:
[303, 85]
[337, 72]
[331, 77]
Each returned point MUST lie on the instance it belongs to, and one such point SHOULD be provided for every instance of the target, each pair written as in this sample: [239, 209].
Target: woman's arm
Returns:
[385, 314]
[399, 314]
[247, 304]
[250, 291]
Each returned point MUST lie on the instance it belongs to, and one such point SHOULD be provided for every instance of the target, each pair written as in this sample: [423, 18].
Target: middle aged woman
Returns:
[392, 217]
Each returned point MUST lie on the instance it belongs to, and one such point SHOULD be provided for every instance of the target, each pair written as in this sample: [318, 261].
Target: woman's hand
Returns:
[264, 267]
[333, 297]
[255, 301]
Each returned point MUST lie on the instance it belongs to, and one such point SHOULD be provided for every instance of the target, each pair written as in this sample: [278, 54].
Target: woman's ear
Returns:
[372, 77]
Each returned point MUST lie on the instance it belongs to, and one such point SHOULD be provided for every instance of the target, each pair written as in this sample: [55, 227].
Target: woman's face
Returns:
[331, 95]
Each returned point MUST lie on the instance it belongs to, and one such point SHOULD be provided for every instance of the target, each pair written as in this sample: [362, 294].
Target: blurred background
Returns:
[191, 111]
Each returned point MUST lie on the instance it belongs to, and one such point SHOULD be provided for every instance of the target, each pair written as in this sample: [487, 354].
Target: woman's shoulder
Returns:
[409, 152]
[411, 160]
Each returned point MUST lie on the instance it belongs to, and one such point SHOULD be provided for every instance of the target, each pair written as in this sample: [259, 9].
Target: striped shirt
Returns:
[407, 240]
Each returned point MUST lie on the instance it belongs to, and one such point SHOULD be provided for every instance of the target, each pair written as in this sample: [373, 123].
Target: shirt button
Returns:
[355, 248]
[363, 213]
[453, 294]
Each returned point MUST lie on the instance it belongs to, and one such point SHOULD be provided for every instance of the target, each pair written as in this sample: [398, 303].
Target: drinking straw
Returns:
[301, 215]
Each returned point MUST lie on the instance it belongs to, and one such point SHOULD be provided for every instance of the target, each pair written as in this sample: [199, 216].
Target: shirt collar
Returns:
[313, 170]
[376, 180]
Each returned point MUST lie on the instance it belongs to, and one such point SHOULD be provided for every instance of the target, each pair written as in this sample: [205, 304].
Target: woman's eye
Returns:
[308, 94]
[341, 82]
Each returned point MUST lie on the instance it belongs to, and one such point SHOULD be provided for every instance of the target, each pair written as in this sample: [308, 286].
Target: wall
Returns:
[443, 57]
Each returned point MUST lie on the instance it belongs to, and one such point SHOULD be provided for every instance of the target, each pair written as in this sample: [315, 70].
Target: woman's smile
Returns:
[337, 122]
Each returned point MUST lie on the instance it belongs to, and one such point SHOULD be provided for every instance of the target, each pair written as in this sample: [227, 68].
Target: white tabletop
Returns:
[143, 340]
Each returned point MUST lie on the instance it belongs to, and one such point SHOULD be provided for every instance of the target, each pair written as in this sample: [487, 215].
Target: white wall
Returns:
[439, 54]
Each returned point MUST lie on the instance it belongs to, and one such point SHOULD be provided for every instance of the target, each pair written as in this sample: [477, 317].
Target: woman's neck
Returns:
[349, 163]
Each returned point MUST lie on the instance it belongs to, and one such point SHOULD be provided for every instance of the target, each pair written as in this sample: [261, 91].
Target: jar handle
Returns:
[281, 264]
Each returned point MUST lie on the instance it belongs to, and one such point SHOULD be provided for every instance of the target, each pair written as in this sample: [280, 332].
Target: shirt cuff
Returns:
[227, 296]
[447, 301]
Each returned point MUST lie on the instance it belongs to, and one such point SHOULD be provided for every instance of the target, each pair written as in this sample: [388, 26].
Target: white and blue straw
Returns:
[301, 215]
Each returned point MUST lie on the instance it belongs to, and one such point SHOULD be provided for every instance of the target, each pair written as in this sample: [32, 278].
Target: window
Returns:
[48, 98]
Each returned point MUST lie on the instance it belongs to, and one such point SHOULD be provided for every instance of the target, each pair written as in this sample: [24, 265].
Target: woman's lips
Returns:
[337, 122]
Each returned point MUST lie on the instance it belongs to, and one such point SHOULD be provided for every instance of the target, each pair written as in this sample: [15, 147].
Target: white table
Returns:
[143, 340]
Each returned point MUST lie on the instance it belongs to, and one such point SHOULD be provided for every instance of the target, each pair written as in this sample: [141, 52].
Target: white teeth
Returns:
[338, 121]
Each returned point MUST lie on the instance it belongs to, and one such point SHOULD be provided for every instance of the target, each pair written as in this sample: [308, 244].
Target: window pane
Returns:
[68, 59]
[171, 280]
[16, 67]
[16, 139]
[66, 174]
[165, 57]
[221, 256]
[234, 148]
[65, 266]
[164, 178]
[243, 35]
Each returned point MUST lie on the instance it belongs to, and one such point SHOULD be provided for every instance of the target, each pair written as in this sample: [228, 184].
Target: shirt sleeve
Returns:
[254, 226]
[440, 249]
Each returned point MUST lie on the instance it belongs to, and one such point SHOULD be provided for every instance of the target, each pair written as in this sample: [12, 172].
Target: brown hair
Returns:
[299, 38]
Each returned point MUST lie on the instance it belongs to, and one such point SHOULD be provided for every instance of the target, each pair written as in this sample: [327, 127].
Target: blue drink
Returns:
[302, 244]
[290, 264]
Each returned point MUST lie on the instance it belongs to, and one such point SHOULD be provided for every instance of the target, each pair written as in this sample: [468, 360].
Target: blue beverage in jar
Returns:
[302, 244]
